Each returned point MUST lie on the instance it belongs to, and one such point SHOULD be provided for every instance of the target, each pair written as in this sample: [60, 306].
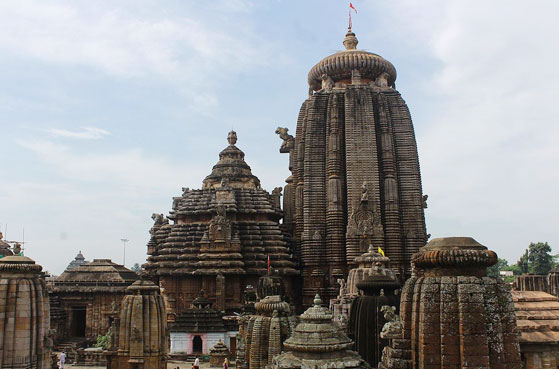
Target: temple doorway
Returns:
[233, 344]
[77, 324]
[197, 344]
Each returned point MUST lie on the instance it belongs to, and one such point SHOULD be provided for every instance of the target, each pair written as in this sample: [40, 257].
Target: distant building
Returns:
[506, 273]
[78, 260]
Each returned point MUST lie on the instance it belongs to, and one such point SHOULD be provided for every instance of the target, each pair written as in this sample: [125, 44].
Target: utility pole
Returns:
[124, 240]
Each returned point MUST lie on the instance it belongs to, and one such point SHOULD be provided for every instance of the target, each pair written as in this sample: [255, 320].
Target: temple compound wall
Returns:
[355, 171]
[86, 299]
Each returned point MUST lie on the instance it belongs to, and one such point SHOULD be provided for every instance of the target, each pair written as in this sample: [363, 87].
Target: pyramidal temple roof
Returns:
[231, 169]
[98, 275]
[339, 66]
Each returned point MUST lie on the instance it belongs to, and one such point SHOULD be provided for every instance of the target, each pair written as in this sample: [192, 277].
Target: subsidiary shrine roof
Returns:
[96, 276]
[537, 315]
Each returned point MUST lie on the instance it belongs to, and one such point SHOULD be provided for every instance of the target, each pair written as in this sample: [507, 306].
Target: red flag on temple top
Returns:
[269, 263]
[352, 7]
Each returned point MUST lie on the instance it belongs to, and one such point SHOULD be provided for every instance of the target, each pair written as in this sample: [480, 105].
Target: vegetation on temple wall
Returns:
[104, 341]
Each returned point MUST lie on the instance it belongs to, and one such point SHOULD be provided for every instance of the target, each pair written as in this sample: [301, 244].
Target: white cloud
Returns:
[488, 151]
[87, 133]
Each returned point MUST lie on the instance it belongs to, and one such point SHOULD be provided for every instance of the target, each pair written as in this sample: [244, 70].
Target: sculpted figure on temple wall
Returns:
[288, 140]
[424, 199]
[393, 327]
[327, 83]
[159, 219]
[382, 80]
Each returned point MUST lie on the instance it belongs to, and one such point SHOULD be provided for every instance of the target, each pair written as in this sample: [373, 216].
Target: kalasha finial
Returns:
[317, 300]
[350, 41]
[232, 138]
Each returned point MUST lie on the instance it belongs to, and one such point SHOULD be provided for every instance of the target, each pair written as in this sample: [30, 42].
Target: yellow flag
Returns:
[380, 251]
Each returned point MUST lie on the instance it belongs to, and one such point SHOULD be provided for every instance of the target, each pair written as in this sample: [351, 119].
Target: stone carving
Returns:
[288, 140]
[393, 327]
[232, 138]
[159, 219]
[382, 80]
[220, 226]
[327, 82]
[343, 287]
[364, 192]
[185, 190]
[17, 248]
[355, 77]
[424, 201]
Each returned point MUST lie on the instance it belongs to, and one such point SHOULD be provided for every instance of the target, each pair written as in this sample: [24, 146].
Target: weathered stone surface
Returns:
[537, 318]
[355, 171]
[262, 334]
[379, 290]
[25, 339]
[95, 288]
[453, 315]
[317, 342]
[220, 238]
[140, 334]
[218, 354]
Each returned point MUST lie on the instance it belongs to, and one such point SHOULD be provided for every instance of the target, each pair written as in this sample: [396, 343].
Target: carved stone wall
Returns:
[141, 341]
[453, 315]
[25, 340]
[355, 171]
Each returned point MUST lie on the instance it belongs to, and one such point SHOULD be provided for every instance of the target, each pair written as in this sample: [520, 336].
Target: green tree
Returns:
[523, 263]
[495, 270]
[540, 259]
[137, 268]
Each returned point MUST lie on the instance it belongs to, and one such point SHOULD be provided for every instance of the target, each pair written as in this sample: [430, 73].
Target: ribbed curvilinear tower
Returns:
[355, 171]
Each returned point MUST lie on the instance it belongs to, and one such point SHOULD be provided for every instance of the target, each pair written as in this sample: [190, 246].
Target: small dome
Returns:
[339, 66]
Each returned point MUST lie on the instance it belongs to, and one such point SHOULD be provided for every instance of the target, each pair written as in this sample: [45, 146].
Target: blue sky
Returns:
[108, 108]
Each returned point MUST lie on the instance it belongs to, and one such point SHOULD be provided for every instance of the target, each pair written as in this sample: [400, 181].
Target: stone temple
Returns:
[221, 238]
[355, 171]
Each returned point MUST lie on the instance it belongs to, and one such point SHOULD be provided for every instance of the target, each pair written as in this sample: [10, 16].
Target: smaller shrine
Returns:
[261, 335]
[139, 339]
[218, 354]
[318, 342]
[379, 290]
[200, 327]
[25, 339]
[78, 260]
[86, 299]
[452, 314]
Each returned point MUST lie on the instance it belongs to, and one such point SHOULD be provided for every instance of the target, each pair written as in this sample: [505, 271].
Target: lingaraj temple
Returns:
[333, 270]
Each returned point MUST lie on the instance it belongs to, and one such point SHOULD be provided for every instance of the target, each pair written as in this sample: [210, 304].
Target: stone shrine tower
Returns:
[24, 315]
[140, 337]
[355, 171]
[220, 238]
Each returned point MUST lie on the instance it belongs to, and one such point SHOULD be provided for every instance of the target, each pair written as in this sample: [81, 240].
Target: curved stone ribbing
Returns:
[142, 335]
[453, 315]
[24, 315]
[348, 137]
